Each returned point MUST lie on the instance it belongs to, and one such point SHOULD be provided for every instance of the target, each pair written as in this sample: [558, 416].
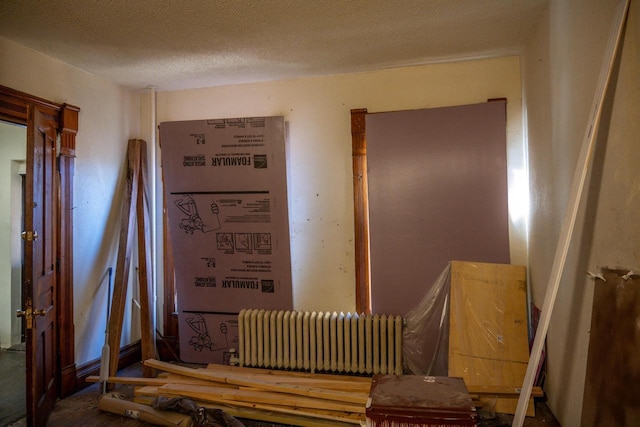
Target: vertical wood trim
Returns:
[68, 130]
[361, 210]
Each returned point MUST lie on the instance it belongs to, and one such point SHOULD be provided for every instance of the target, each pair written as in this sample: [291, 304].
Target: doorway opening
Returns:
[47, 276]
[13, 142]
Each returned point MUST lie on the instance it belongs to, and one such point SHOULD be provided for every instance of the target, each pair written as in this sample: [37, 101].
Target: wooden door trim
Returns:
[14, 108]
[361, 210]
[68, 130]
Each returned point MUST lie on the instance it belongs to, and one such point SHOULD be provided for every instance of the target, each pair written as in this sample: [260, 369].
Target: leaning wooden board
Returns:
[488, 338]
[612, 382]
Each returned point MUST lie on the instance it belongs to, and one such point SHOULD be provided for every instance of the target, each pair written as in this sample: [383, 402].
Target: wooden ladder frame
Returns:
[135, 207]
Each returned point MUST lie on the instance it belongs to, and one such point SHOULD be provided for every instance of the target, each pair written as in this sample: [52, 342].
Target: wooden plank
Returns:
[147, 329]
[489, 311]
[229, 378]
[332, 382]
[501, 390]
[488, 338]
[146, 381]
[127, 219]
[354, 387]
[265, 413]
[142, 412]
[145, 400]
[320, 414]
[215, 394]
[148, 390]
[583, 167]
[612, 384]
[298, 374]
[479, 372]
[292, 419]
[135, 206]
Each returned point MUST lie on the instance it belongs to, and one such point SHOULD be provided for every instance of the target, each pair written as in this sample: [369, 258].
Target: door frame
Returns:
[14, 108]
[361, 210]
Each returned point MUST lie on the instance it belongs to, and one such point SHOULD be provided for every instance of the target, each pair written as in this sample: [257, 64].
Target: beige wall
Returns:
[109, 117]
[318, 152]
[317, 112]
[561, 68]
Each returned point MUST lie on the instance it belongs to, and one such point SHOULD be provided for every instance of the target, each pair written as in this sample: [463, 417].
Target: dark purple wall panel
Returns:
[437, 192]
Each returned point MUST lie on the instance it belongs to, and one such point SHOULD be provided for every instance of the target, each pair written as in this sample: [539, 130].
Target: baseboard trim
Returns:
[129, 354]
[68, 380]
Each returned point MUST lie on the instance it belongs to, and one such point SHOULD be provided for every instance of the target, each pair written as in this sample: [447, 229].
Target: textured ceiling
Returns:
[182, 44]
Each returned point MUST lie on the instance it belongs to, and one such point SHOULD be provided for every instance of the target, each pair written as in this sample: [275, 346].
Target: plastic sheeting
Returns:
[424, 355]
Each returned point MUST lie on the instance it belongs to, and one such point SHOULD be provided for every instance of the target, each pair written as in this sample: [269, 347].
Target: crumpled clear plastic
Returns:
[424, 355]
[201, 417]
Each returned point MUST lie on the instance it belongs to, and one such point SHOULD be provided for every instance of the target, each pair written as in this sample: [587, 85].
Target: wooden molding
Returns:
[361, 210]
[27, 99]
[14, 108]
[68, 380]
[64, 297]
[68, 130]
[68, 126]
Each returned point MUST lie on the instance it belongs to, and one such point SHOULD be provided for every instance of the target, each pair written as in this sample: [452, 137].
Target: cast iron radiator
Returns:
[320, 341]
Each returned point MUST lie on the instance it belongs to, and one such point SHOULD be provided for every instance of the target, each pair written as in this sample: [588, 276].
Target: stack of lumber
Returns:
[286, 397]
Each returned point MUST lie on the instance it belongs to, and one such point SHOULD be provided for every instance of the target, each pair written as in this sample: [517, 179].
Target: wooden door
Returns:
[40, 267]
[48, 272]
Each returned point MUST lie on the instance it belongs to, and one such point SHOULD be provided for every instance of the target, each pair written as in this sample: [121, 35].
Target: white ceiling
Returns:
[182, 44]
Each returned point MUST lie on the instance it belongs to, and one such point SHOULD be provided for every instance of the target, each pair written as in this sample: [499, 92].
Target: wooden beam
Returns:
[216, 394]
[254, 413]
[326, 381]
[158, 382]
[486, 390]
[334, 416]
[144, 262]
[299, 374]
[351, 397]
[127, 218]
[135, 207]
[577, 188]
